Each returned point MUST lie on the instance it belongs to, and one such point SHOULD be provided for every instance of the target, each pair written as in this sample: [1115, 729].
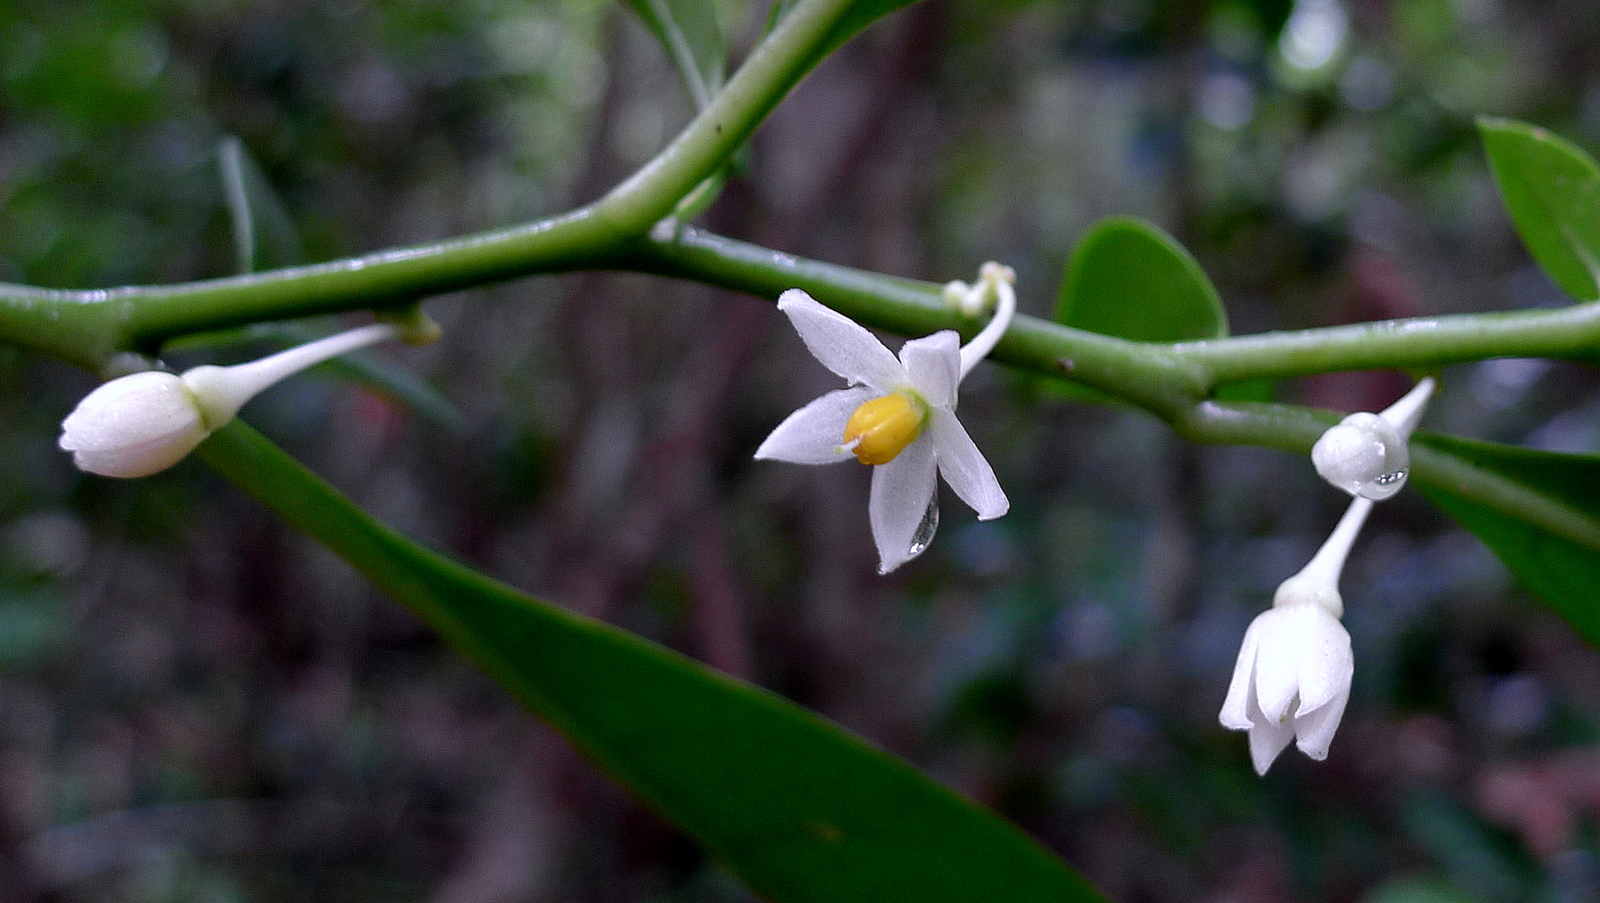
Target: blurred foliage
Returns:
[197, 704]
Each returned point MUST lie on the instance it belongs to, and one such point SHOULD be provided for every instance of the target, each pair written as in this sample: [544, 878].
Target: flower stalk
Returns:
[1292, 679]
[143, 423]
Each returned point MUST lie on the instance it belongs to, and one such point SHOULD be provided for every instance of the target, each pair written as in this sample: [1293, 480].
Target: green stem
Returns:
[1296, 429]
[1147, 375]
[1420, 342]
[776, 64]
[88, 327]
[1191, 368]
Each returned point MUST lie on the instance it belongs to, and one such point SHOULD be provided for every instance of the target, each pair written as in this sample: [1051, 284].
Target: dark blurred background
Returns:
[198, 704]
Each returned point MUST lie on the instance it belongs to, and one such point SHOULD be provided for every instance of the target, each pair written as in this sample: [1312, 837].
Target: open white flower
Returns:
[897, 415]
[143, 423]
[1293, 676]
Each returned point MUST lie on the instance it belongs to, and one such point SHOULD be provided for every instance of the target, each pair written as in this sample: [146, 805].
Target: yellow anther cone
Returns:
[882, 428]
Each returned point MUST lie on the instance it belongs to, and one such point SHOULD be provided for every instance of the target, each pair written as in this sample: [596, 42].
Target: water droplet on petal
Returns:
[1384, 485]
[926, 528]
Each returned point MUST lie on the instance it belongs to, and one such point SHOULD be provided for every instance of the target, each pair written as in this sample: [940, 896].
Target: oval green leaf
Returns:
[1129, 279]
[1551, 188]
[801, 810]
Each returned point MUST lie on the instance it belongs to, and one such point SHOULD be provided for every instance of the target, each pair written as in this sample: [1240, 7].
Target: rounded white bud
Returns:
[134, 426]
[1364, 455]
[955, 294]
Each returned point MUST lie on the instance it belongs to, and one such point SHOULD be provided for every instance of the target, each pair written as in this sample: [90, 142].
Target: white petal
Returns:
[1314, 730]
[841, 344]
[901, 491]
[812, 434]
[1278, 662]
[1268, 737]
[1235, 713]
[1326, 661]
[1267, 740]
[964, 467]
[934, 365]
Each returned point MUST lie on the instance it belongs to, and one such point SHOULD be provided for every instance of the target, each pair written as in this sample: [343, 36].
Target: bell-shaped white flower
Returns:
[898, 414]
[143, 423]
[1292, 679]
[1366, 454]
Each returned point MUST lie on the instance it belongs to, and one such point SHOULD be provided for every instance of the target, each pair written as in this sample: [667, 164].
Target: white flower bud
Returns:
[143, 423]
[1364, 455]
[134, 426]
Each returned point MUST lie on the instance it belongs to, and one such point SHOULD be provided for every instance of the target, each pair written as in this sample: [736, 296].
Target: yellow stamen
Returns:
[882, 428]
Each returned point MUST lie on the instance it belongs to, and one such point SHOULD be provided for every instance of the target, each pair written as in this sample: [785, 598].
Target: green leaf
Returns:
[801, 810]
[264, 236]
[692, 36]
[1538, 511]
[1131, 280]
[1551, 188]
[860, 14]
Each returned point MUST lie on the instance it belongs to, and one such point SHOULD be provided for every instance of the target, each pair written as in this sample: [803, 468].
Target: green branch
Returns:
[1164, 378]
[1571, 333]
[88, 327]
[1296, 429]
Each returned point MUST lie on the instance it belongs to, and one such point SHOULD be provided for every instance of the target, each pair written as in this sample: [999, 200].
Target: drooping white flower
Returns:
[1366, 454]
[898, 414]
[1292, 679]
[143, 423]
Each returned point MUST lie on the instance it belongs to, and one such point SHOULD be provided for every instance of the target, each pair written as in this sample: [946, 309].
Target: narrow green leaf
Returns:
[692, 36]
[801, 810]
[264, 236]
[860, 14]
[1131, 280]
[1551, 188]
[1538, 511]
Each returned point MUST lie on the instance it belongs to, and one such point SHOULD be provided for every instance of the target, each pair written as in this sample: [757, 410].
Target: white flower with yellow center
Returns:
[898, 415]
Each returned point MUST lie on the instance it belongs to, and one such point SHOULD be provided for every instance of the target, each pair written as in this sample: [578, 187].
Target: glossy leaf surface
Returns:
[1551, 188]
[1538, 511]
[1129, 279]
[801, 810]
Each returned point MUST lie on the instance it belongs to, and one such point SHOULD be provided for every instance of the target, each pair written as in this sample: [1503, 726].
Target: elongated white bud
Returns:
[143, 423]
[134, 426]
